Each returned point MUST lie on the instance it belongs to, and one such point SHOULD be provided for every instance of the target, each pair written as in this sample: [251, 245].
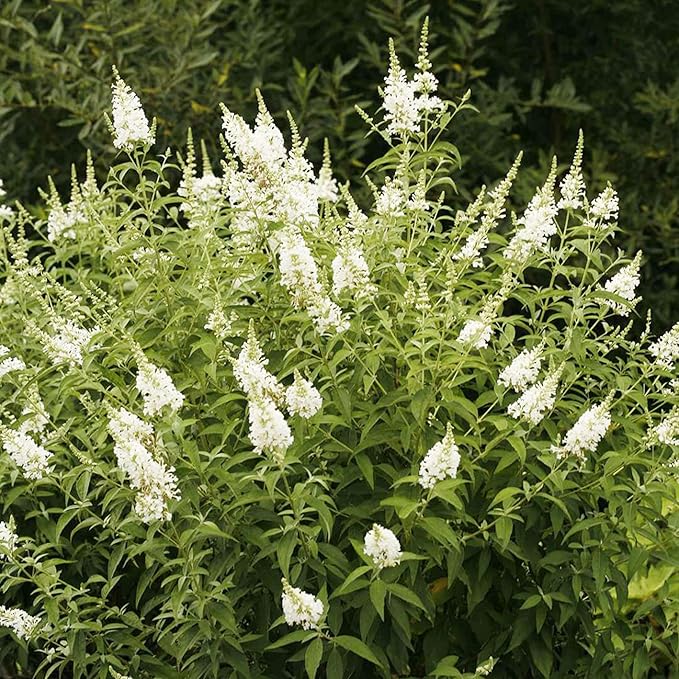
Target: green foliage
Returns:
[185, 56]
[528, 562]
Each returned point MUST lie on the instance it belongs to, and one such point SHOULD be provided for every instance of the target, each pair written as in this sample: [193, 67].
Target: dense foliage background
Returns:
[538, 70]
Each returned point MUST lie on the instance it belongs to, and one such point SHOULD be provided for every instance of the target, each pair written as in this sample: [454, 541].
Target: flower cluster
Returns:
[8, 538]
[485, 668]
[157, 389]
[299, 274]
[150, 256]
[537, 224]
[219, 323]
[250, 371]
[624, 284]
[327, 315]
[6, 211]
[572, 186]
[64, 221]
[604, 207]
[269, 430]
[125, 426]
[154, 481]
[34, 414]
[66, 342]
[130, 125]
[391, 199]
[302, 398]
[476, 333]
[8, 365]
[30, 456]
[326, 185]
[441, 461]
[405, 101]
[523, 370]
[300, 607]
[534, 403]
[21, 623]
[117, 675]
[274, 185]
[350, 271]
[474, 245]
[666, 348]
[491, 209]
[667, 431]
[382, 546]
[587, 432]
[203, 198]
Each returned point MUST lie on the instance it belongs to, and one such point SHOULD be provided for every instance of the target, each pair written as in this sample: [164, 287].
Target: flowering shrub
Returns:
[253, 429]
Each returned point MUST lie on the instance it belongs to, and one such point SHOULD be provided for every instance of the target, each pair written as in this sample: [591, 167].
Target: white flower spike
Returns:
[382, 546]
[300, 607]
[130, 124]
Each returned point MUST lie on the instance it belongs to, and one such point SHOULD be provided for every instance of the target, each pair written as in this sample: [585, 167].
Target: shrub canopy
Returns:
[253, 427]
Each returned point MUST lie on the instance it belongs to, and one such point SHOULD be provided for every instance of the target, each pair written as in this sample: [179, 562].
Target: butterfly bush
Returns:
[536, 401]
[157, 389]
[9, 363]
[447, 421]
[300, 607]
[130, 125]
[523, 370]
[8, 538]
[302, 398]
[666, 349]
[155, 483]
[441, 461]
[19, 621]
[667, 431]
[624, 284]
[26, 453]
[587, 432]
[382, 546]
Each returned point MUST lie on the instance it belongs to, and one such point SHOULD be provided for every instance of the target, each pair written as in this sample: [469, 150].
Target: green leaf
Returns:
[440, 530]
[312, 657]
[447, 667]
[405, 594]
[334, 668]
[357, 647]
[291, 638]
[542, 656]
[420, 404]
[284, 549]
[504, 495]
[356, 573]
[404, 506]
[364, 464]
[532, 601]
[378, 591]
[503, 528]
